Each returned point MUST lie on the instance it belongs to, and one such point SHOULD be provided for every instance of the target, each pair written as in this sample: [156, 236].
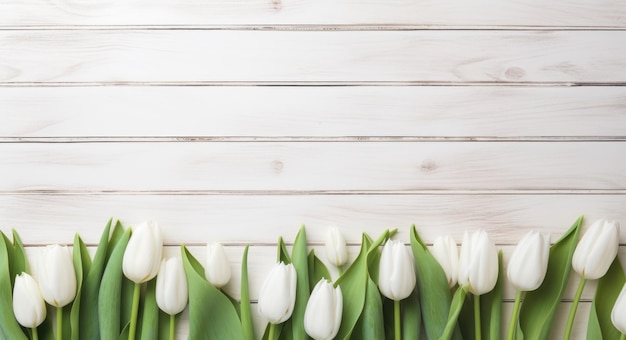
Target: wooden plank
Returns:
[312, 166]
[585, 13]
[312, 111]
[260, 219]
[114, 56]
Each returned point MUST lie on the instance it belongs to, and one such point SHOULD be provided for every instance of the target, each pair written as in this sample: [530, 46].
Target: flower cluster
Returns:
[129, 289]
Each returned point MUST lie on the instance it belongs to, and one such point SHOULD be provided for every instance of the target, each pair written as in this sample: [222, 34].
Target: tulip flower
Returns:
[141, 262]
[28, 304]
[322, 316]
[592, 258]
[445, 251]
[478, 269]
[336, 248]
[396, 276]
[527, 269]
[618, 314]
[217, 266]
[57, 280]
[278, 295]
[171, 289]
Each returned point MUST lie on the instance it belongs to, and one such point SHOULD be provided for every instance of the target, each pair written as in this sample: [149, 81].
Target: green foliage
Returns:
[600, 325]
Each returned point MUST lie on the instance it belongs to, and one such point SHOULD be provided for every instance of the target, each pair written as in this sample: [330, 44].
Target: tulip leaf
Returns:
[211, 314]
[370, 325]
[491, 307]
[458, 300]
[9, 328]
[19, 261]
[149, 326]
[317, 270]
[245, 306]
[88, 320]
[301, 263]
[434, 294]
[109, 298]
[540, 306]
[609, 286]
[82, 263]
[283, 255]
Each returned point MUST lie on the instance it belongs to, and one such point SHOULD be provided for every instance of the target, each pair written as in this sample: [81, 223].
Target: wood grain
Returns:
[312, 166]
[260, 219]
[113, 56]
[578, 13]
[187, 111]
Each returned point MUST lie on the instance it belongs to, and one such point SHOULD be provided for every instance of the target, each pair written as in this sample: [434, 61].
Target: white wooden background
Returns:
[238, 121]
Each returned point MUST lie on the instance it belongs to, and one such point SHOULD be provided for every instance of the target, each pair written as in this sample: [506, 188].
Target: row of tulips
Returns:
[129, 291]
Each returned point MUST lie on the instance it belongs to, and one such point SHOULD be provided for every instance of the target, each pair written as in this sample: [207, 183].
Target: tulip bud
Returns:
[396, 273]
[478, 263]
[142, 256]
[596, 250]
[171, 286]
[618, 314]
[278, 293]
[57, 279]
[446, 253]
[336, 249]
[217, 266]
[529, 262]
[28, 305]
[322, 316]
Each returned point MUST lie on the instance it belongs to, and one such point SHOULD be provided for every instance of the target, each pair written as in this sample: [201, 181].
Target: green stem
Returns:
[396, 319]
[59, 323]
[515, 315]
[477, 327]
[133, 316]
[623, 337]
[272, 330]
[572, 311]
[340, 270]
[172, 326]
[35, 335]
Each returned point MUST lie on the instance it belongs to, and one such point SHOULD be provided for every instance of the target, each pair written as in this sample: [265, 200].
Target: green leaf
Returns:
[458, 300]
[353, 285]
[149, 326]
[540, 306]
[19, 261]
[283, 255]
[370, 325]
[245, 306]
[211, 314]
[9, 328]
[109, 298]
[609, 286]
[300, 262]
[434, 294]
[411, 316]
[317, 270]
[88, 318]
[82, 262]
[491, 307]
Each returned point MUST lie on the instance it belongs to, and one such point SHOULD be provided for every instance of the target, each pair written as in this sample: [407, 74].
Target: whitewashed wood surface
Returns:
[240, 121]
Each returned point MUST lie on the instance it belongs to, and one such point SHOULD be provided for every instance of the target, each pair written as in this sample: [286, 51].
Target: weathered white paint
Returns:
[112, 56]
[475, 13]
[190, 111]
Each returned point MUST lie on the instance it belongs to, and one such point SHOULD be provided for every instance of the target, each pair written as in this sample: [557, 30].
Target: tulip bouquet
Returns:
[128, 290]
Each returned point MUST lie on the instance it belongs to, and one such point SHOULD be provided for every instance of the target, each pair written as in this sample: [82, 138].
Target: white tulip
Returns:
[171, 286]
[336, 249]
[57, 279]
[446, 253]
[28, 304]
[322, 316]
[217, 266]
[618, 314]
[278, 293]
[142, 257]
[596, 250]
[478, 263]
[529, 262]
[396, 273]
